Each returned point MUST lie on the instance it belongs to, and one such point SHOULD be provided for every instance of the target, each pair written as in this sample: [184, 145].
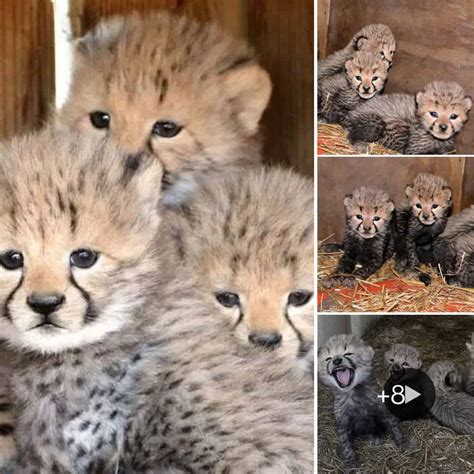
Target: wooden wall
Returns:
[280, 30]
[435, 42]
[340, 176]
[26, 64]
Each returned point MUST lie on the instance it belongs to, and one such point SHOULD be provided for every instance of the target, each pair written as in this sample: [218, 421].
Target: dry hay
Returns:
[440, 449]
[332, 139]
[388, 291]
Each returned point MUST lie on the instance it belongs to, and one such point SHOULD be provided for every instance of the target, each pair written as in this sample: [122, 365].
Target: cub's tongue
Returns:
[343, 376]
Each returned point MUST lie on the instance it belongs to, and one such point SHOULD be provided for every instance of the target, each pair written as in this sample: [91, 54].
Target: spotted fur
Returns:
[421, 220]
[368, 238]
[147, 70]
[377, 38]
[426, 123]
[452, 407]
[454, 249]
[469, 387]
[345, 365]
[363, 78]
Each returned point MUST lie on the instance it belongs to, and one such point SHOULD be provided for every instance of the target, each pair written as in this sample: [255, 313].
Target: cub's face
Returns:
[428, 207]
[250, 249]
[445, 376]
[402, 356]
[384, 47]
[367, 73]
[441, 117]
[148, 84]
[344, 362]
[367, 219]
[73, 256]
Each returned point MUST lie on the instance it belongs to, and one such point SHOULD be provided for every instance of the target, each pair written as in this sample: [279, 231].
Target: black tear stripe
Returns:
[91, 312]
[241, 317]
[6, 309]
[6, 429]
[303, 345]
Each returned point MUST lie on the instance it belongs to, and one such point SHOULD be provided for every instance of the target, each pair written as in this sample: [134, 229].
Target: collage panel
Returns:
[395, 234]
[395, 393]
[395, 77]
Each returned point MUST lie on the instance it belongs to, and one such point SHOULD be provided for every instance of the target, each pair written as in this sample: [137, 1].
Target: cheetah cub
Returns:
[454, 249]
[452, 407]
[249, 248]
[426, 123]
[345, 365]
[402, 356]
[421, 220]
[377, 38]
[363, 78]
[78, 220]
[368, 238]
[184, 90]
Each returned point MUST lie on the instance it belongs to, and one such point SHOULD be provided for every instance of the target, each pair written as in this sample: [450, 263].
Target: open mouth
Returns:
[343, 376]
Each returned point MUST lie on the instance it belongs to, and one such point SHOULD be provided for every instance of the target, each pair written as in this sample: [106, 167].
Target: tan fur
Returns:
[402, 356]
[368, 210]
[145, 69]
[377, 38]
[367, 73]
[55, 188]
[428, 197]
[443, 108]
[251, 233]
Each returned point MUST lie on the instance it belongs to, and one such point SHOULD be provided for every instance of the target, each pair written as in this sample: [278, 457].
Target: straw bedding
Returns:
[440, 449]
[380, 293]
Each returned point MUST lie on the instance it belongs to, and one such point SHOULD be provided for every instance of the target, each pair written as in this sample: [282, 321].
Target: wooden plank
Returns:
[468, 183]
[435, 42]
[340, 176]
[324, 8]
[26, 66]
[230, 14]
[282, 32]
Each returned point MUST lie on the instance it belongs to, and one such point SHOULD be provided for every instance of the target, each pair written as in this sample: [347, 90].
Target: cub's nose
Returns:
[45, 303]
[270, 341]
[443, 128]
[367, 228]
[366, 88]
[337, 361]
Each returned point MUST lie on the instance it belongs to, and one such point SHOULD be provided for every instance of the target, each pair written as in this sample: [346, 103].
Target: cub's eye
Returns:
[434, 206]
[392, 52]
[227, 299]
[83, 258]
[347, 354]
[453, 116]
[299, 298]
[100, 119]
[405, 364]
[359, 78]
[434, 114]
[376, 218]
[382, 54]
[166, 129]
[391, 360]
[359, 216]
[375, 78]
[418, 205]
[11, 260]
[327, 359]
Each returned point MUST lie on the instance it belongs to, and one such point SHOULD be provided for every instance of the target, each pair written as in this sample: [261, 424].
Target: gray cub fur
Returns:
[452, 407]
[345, 365]
[469, 386]
[454, 249]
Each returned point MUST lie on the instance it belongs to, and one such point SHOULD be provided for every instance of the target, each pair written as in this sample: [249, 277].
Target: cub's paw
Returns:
[361, 147]
[452, 280]
[338, 281]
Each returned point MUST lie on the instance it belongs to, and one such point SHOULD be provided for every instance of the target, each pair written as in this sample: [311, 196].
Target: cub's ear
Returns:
[467, 102]
[348, 200]
[360, 42]
[102, 37]
[446, 193]
[370, 352]
[408, 191]
[248, 87]
[390, 206]
[348, 66]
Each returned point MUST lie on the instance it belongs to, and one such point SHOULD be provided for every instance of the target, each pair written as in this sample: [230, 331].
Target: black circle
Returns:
[11, 260]
[83, 258]
[416, 380]
[100, 119]
[228, 299]
[166, 129]
[299, 297]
